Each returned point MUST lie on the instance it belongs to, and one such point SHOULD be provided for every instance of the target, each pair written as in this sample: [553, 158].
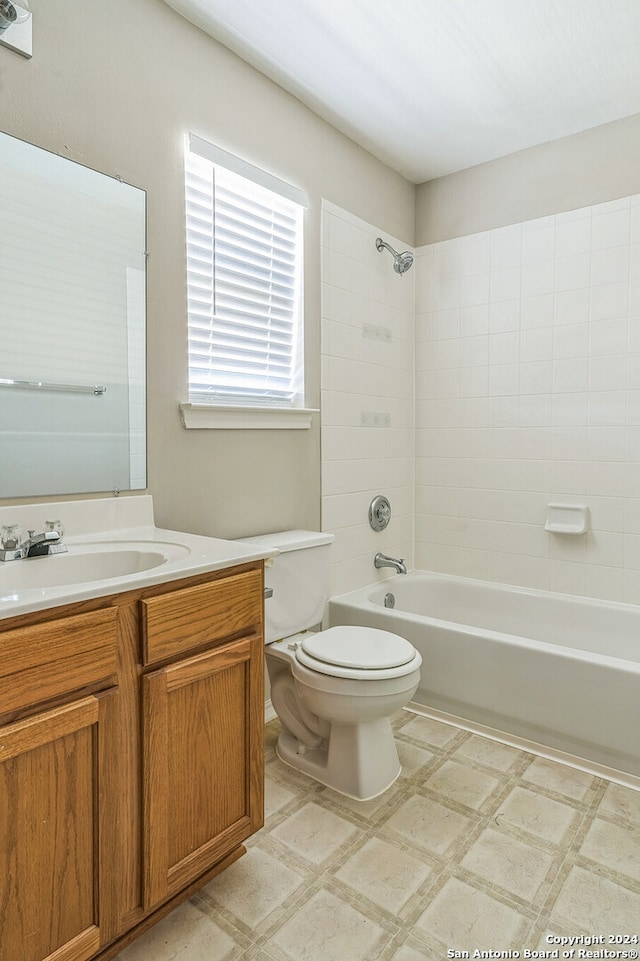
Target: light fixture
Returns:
[11, 13]
[15, 26]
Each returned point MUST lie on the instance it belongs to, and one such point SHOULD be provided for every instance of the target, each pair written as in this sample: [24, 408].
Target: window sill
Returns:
[206, 417]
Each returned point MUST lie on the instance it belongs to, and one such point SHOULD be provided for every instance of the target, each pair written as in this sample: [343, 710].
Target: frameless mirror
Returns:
[72, 327]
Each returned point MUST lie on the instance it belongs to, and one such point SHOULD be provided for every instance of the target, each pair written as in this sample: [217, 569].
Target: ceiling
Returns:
[434, 86]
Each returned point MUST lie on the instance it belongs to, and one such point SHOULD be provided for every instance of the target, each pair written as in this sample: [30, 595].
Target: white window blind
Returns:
[244, 282]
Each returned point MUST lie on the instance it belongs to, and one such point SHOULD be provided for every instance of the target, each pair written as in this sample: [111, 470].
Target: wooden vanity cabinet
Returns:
[131, 759]
[202, 724]
[53, 778]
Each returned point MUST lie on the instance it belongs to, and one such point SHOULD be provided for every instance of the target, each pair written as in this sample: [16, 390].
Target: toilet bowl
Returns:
[334, 691]
[337, 718]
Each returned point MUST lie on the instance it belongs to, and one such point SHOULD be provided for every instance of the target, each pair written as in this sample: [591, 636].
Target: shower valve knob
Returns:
[379, 513]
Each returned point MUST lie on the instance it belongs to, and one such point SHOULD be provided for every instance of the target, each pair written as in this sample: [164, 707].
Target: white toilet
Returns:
[335, 690]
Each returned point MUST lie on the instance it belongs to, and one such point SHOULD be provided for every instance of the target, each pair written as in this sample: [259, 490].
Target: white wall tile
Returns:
[572, 272]
[571, 306]
[503, 379]
[561, 374]
[447, 259]
[474, 381]
[446, 293]
[475, 254]
[570, 409]
[571, 340]
[570, 375]
[536, 311]
[609, 513]
[505, 315]
[538, 278]
[605, 583]
[523, 348]
[505, 284]
[474, 289]
[568, 443]
[607, 408]
[536, 344]
[572, 237]
[535, 410]
[610, 265]
[611, 228]
[538, 244]
[474, 320]
[474, 351]
[536, 377]
[506, 247]
[608, 372]
[504, 348]
[365, 374]
[609, 301]
[504, 411]
[608, 337]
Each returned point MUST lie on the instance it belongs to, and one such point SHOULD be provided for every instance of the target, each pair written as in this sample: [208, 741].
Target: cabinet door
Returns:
[203, 763]
[49, 834]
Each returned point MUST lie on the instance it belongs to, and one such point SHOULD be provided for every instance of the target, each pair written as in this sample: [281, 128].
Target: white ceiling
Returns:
[434, 86]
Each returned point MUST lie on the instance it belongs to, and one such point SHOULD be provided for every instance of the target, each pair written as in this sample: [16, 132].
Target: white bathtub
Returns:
[561, 671]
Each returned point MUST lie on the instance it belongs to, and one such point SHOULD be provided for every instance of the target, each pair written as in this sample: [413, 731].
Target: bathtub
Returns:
[562, 672]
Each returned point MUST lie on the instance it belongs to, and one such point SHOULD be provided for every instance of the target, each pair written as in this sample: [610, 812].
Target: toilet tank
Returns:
[299, 578]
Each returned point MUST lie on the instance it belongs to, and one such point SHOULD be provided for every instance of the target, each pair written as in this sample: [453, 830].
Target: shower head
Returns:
[401, 262]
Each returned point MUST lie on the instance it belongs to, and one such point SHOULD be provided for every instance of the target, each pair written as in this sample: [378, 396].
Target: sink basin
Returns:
[113, 546]
[95, 561]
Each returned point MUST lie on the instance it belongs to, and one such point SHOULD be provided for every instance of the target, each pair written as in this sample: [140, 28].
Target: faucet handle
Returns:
[10, 537]
[54, 526]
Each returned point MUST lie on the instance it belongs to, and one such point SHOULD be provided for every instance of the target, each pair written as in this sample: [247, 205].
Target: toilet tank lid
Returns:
[284, 541]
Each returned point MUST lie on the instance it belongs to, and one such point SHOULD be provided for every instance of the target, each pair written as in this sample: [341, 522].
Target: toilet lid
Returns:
[358, 648]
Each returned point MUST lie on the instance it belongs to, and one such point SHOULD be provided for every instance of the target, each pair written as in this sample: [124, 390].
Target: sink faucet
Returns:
[381, 560]
[39, 545]
[35, 545]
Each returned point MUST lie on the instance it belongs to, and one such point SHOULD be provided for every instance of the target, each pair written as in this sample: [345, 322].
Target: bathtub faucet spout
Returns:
[381, 560]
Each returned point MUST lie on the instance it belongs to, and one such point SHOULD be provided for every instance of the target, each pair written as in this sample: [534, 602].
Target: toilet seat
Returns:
[357, 652]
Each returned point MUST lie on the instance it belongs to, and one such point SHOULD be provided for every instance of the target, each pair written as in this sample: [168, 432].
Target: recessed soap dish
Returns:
[566, 518]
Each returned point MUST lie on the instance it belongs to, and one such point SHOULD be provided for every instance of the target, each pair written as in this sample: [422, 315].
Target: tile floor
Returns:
[478, 846]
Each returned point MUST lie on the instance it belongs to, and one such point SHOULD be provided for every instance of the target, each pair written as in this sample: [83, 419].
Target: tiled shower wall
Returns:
[367, 397]
[528, 393]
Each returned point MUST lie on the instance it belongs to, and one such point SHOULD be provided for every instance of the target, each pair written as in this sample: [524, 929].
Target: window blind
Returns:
[244, 272]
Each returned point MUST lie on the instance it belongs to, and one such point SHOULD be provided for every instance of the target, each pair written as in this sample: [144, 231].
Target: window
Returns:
[244, 283]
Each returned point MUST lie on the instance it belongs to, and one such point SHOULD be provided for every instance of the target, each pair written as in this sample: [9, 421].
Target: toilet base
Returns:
[360, 761]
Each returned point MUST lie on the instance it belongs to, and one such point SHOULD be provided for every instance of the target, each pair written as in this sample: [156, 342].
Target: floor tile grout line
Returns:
[586, 800]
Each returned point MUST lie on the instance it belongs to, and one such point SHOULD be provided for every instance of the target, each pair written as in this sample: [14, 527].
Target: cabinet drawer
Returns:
[175, 623]
[44, 661]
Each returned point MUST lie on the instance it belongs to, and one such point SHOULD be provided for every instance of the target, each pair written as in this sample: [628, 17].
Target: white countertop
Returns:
[34, 584]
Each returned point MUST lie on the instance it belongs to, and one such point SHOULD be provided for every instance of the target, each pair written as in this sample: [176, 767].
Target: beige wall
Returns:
[587, 168]
[117, 88]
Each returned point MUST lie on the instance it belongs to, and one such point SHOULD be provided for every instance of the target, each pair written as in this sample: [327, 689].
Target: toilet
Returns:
[334, 691]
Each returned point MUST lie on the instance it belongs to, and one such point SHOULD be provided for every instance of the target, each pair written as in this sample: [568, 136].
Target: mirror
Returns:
[72, 327]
